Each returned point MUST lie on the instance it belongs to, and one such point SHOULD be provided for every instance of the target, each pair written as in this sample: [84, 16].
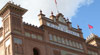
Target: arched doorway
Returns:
[36, 51]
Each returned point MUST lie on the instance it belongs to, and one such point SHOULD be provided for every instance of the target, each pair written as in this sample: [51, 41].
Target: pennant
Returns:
[90, 27]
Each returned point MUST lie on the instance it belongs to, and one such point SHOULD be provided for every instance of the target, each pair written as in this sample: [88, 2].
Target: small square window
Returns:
[59, 39]
[17, 40]
[33, 36]
[27, 34]
[50, 36]
[55, 38]
[39, 37]
[63, 41]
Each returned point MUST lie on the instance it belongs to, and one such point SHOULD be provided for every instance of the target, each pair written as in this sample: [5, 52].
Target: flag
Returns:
[55, 2]
[90, 27]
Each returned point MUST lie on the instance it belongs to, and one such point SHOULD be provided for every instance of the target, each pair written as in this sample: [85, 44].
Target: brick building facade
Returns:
[54, 36]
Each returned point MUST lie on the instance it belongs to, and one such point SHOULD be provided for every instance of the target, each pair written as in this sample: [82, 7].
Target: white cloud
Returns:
[90, 1]
[68, 7]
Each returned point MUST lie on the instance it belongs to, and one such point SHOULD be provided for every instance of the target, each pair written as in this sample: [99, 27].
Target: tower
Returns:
[12, 23]
[91, 39]
[12, 18]
[94, 40]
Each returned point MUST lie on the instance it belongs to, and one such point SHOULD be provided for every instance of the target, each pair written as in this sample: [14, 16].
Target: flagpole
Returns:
[90, 31]
[90, 27]
[56, 6]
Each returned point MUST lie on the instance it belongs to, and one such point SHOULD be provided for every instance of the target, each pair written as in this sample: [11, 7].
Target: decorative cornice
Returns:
[30, 25]
[12, 5]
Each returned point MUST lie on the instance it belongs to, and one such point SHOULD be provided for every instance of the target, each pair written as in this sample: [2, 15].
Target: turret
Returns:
[52, 17]
[42, 18]
[12, 18]
[80, 31]
[93, 39]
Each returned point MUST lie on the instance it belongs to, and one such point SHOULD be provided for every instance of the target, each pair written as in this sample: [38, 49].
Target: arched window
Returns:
[35, 51]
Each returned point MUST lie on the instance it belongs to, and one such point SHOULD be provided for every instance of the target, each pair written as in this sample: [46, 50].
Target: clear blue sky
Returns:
[88, 15]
